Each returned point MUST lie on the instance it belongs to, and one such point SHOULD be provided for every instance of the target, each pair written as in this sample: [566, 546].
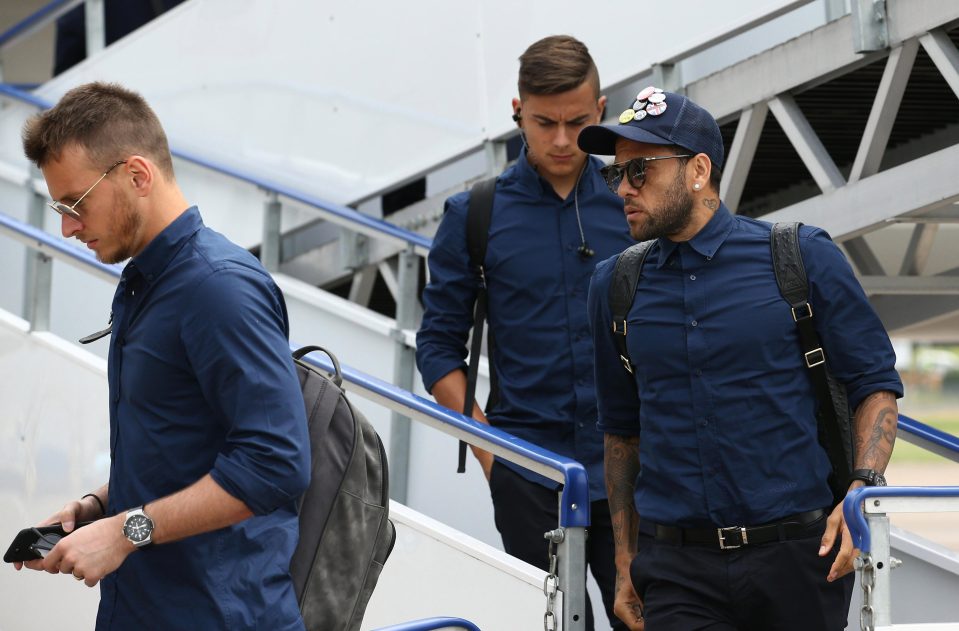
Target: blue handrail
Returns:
[39, 240]
[429, 624]
[342, 214]
[37, 19]
[856, 519]
[574, 510]
[930, 438]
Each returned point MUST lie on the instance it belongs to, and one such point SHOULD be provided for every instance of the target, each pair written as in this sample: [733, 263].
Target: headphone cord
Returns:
[584, 250]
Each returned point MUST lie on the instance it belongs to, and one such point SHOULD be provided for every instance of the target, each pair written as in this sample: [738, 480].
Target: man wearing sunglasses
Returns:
[729, 524]
[197, 524]
[552, 219]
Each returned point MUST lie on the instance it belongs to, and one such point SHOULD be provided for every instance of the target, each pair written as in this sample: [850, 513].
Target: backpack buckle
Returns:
[626, 364]
[617, 331]
[815, 357]
[804, 312]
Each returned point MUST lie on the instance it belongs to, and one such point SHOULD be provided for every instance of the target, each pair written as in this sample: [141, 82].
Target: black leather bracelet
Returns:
[103, 510]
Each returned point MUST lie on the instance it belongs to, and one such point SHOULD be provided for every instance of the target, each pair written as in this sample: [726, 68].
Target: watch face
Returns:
[138, 528]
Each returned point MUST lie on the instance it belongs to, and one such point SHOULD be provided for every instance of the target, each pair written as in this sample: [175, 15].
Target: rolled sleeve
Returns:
[857, 346]
[235, 336]
[616, 394]
[448, 299]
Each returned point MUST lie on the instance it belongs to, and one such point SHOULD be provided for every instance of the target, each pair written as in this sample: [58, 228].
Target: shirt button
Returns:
[699, 372]
[703, 423]
[582, 424]
[694, 323]
[692, 277]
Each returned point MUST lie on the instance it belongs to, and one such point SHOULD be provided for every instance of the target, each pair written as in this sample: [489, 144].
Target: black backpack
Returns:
[345, 531]
[833, 417]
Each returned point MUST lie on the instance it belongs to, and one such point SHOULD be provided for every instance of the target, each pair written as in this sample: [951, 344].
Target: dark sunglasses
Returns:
[635, 171]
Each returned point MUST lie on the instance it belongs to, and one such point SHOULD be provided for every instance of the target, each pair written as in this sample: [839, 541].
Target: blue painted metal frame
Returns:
[37, 19]
[429, 624]
[344, 212]
[930, 438]
[576, 485]
[856, 519]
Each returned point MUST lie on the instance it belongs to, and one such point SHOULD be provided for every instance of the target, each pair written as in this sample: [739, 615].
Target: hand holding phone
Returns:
[34, 543]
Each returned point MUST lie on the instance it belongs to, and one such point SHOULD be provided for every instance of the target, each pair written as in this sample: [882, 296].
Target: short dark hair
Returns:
[106, 120]
[555, 64]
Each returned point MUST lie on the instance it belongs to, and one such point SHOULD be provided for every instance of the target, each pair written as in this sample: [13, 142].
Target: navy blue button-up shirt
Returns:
[201, 381]
[725, 410]
[537, 284]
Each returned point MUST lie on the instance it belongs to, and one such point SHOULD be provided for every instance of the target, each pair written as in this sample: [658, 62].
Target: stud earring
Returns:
[696, 186]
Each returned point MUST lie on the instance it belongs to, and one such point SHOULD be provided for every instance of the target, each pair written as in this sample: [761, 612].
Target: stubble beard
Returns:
[127, 224]
[671, 217]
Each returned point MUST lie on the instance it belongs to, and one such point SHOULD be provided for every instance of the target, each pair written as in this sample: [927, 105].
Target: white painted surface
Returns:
[436, 571]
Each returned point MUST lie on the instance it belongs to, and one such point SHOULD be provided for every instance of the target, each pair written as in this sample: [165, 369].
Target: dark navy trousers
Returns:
[525, 510]
[778, 586]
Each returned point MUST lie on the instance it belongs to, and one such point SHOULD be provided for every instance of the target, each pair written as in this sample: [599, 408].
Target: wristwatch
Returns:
[138, 528]
[870, 476]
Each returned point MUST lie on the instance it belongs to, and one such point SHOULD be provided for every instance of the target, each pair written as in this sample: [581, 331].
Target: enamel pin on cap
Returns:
[650, 101]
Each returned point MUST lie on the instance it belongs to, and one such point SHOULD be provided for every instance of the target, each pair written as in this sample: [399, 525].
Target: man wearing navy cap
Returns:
[718, 408]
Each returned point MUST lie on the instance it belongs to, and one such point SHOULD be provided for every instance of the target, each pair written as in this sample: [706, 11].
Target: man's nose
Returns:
[69, 226]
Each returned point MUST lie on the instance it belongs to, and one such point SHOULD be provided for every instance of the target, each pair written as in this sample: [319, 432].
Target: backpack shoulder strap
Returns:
[478, 215]
[788, 264]
[833, 415]
[622, 290]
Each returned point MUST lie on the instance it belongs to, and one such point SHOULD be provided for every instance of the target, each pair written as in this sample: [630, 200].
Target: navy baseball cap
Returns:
[657, 117]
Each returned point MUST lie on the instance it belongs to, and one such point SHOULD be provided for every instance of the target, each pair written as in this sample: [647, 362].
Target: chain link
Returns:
[551, 582]
[868, 580]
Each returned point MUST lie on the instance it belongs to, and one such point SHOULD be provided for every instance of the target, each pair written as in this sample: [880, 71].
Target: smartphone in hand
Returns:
[34, 543]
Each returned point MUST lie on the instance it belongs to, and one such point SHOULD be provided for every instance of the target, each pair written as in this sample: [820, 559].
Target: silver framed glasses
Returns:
[71, 211]
[634, 170]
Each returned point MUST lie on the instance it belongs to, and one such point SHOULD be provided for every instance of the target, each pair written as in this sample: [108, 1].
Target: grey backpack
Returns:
[345, 531]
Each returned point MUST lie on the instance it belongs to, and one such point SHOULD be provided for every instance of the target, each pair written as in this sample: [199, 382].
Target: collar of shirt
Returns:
[706, 242]
[155, 257]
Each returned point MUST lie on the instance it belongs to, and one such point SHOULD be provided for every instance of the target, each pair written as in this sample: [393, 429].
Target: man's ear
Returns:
[141, 173]
[518, 112]
[601, 105]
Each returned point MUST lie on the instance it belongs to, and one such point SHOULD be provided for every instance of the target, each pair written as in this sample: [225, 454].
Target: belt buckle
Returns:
[722, 533]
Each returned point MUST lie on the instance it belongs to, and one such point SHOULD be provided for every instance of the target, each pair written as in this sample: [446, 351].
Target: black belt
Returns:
[732, 537]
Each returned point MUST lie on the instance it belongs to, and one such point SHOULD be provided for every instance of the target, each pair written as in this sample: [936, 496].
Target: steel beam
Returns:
[892, 86]
[863, 257]
[811, 150]
[944, 54]
[741, 154]
[911, 285]
[920, 246]
[869, 204]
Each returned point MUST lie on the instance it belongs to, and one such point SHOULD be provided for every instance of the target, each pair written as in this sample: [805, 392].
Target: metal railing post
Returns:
[571, 553]
[96, 27]
[404, 370]
[270, 247]
[882, 566]
[38, 272]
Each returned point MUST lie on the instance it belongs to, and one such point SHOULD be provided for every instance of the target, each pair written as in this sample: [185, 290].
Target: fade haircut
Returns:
[556, 64]
[106, 120]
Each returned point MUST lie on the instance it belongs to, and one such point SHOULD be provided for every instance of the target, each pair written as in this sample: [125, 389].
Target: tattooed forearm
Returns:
[875, 426]
[622, 465]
